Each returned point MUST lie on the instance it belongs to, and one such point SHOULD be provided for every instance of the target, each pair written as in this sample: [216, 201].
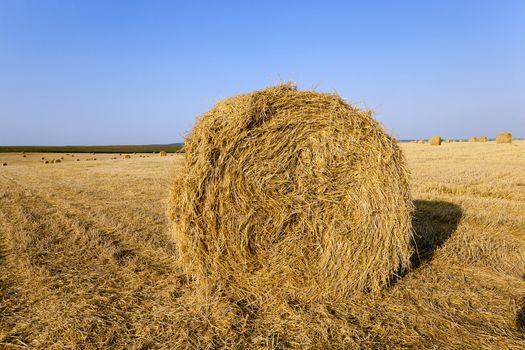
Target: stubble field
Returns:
[86, 260]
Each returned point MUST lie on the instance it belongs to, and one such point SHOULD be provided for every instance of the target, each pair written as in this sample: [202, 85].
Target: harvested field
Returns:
[86, 261]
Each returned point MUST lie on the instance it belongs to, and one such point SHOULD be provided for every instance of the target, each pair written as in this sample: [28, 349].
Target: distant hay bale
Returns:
[47, 161]
[24, 156]
[162, 154]
[56, 161]
[483, 139]
[78, 160]
[291, 194]
[420, 141]
[435, 141]
[5, 164]
[473, 139]
[127, 156]
[504, 137]
[43, 158]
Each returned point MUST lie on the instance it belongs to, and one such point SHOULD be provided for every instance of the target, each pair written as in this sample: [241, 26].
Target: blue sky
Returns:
[139, 72]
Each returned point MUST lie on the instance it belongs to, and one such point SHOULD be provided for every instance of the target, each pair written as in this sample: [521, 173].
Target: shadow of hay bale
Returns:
[433, 222]
[520, 316]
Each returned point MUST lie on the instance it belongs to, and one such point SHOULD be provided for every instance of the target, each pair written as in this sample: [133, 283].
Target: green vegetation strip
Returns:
[94, 149]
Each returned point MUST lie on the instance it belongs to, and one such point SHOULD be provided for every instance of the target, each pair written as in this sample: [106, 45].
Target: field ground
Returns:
[86, 261]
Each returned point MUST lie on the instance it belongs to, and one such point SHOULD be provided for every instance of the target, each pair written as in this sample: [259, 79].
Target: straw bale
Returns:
[435, 141]
[293, 195]
[504, 137]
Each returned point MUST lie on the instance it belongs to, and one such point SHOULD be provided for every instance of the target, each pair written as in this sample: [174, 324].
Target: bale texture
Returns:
[483, 139]
[291, 194]
[435, 141]
[504, 137]
[162, 153]
[473, 139]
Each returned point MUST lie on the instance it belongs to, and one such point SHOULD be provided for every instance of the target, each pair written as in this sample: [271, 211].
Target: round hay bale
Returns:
[473, 139]
[5, 164]
[57, 161]
[483, 139]
[504, 137]
[435, 141]
[127, 156]
[78, 160]
[47, 161]
[294, 194]
[162, 153]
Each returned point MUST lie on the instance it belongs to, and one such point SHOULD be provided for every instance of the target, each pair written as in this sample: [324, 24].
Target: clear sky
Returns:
[138, 72]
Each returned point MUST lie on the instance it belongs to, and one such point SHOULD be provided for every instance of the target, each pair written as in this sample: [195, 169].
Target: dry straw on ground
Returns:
[435, 141]
[291, 195]
[483, 139]
[504, 137]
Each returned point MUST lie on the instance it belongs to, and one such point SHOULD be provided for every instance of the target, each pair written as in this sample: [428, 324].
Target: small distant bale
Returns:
[473, 139]
[5, 164]
[78, 160]
[43, 158]
[421, 141]
[435, 141]
[61, 157]
[504, 137]
[127, 156]
[24, 156]
[483, 139]
[162, 154]
[47, 161]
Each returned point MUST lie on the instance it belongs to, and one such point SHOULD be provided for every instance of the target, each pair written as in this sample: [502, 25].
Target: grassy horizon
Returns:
[94, 149]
